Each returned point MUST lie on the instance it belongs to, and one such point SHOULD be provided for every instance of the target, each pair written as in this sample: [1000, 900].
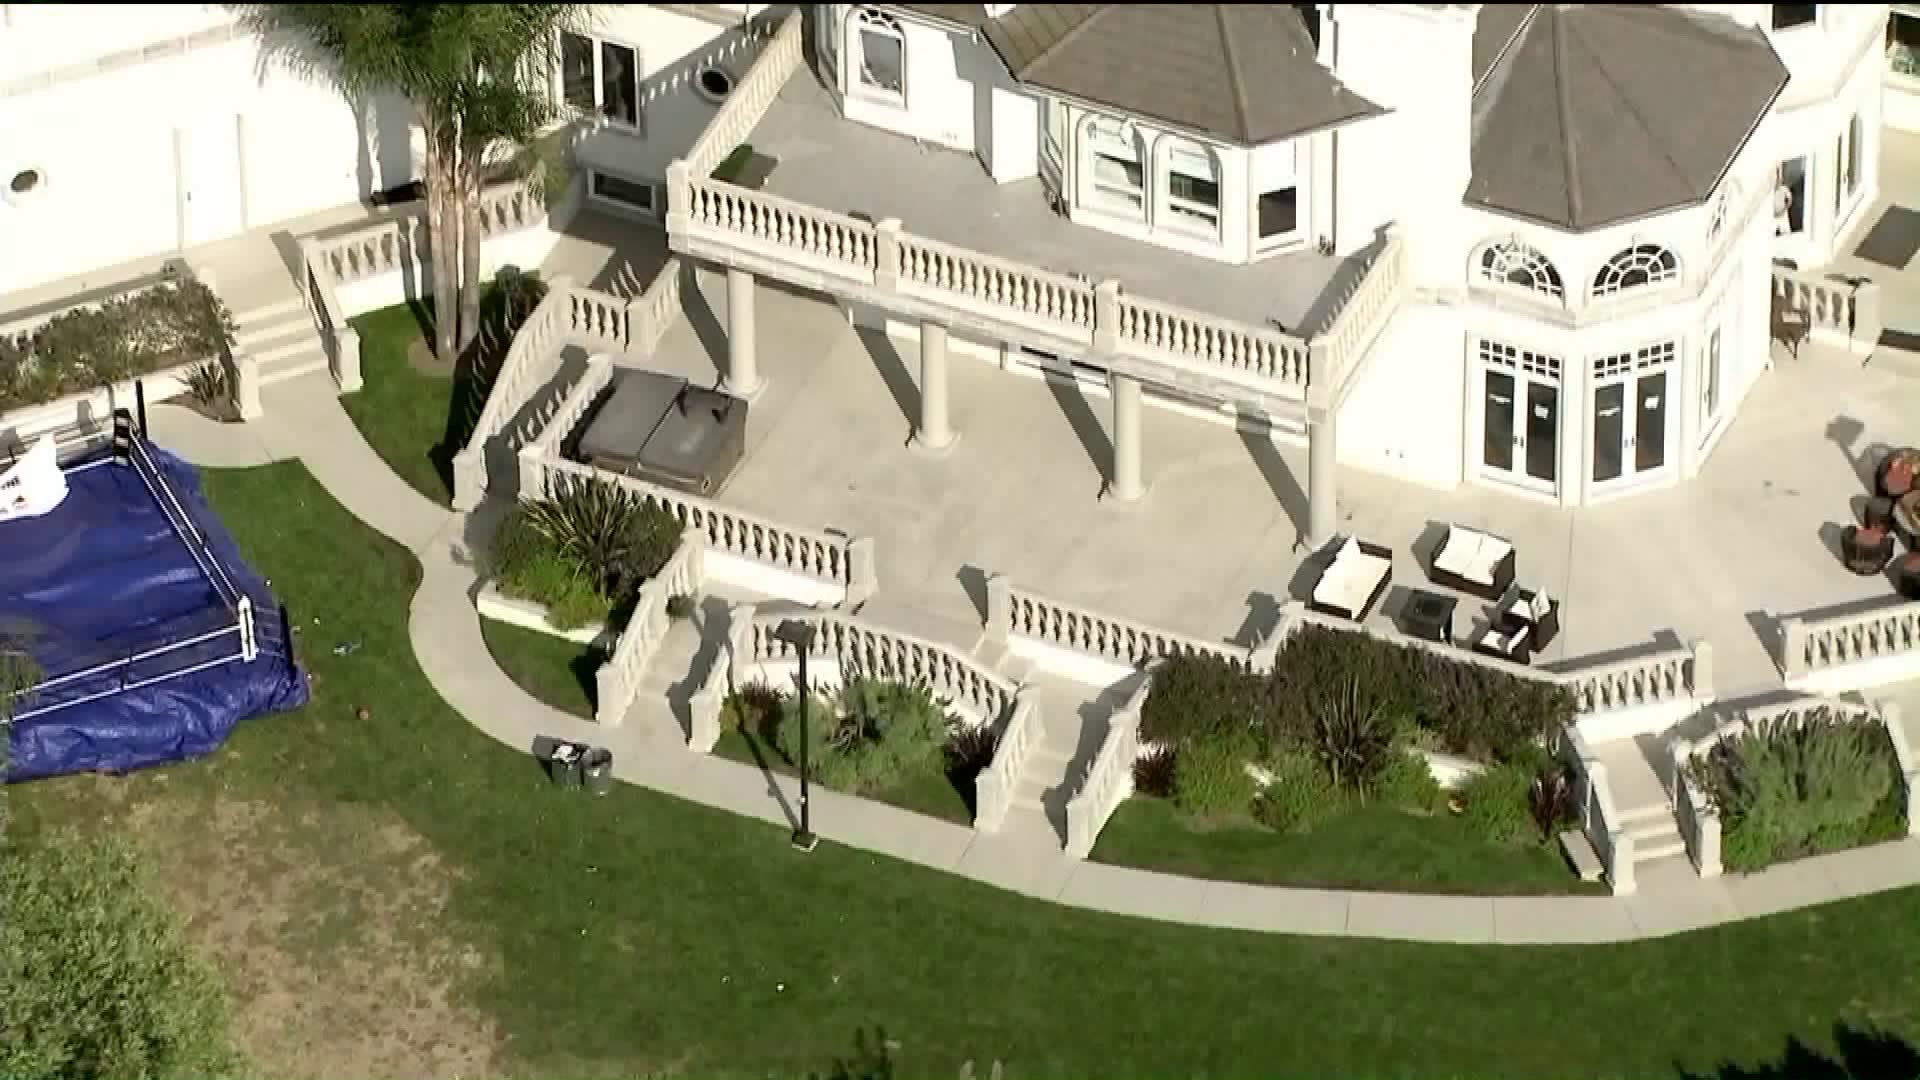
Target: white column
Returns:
[743, 373]
[1323, 510]
[1124, 485]
[936, 430]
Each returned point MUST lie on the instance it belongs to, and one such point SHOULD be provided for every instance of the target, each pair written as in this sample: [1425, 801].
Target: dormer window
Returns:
[1788, 16]
[1193, 187]
[882, 56]
[1117, 178]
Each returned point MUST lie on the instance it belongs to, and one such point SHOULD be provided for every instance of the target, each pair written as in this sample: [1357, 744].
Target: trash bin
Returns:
[564, 765]
[597, 765]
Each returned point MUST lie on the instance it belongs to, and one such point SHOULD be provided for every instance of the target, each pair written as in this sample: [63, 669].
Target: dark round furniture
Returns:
[1877, 512]
[1866, 550]
[1906, 517]
[1906, 575]
[1898, 472]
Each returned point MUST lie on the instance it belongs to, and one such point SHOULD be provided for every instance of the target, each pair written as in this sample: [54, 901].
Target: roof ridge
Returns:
[1067, 38]
[1506, 47]
[1242, 108]
[1570, 151]
[1654, 142]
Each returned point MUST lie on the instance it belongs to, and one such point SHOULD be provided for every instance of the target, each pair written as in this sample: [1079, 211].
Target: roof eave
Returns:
[1369, 111]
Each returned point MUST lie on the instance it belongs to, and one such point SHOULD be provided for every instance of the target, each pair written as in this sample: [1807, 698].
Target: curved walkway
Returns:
[305, 421]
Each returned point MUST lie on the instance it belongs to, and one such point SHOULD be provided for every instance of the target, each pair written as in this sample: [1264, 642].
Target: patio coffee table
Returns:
[1429, 616]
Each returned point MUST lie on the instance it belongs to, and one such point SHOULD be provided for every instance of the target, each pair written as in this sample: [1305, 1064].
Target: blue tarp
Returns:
[107, 577]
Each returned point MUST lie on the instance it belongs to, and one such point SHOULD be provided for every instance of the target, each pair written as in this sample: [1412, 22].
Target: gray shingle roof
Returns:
[1598, 114]
[1244, 73]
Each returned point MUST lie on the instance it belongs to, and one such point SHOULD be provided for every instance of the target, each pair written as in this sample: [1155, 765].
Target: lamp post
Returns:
[800, 635]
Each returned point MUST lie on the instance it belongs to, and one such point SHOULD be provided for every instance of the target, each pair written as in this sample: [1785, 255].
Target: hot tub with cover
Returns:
[663, 429]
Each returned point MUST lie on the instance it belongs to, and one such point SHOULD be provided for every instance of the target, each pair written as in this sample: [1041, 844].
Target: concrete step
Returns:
[1646, 812]
[1653, 834]
[277, 311]
[1667, 850]
[294, 365]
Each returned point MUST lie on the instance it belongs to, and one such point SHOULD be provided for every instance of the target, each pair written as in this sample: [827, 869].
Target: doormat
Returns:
[1893, 240]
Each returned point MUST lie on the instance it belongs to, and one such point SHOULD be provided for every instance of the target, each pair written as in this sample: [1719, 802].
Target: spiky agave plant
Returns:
[614, 536]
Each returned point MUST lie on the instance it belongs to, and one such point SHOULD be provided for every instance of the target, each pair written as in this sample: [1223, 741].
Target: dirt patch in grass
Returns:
[324, 927]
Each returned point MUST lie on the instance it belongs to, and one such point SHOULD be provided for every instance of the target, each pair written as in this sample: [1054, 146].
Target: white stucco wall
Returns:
[149, 157]
[1838, 70]
[1403, 416]
[944, 75]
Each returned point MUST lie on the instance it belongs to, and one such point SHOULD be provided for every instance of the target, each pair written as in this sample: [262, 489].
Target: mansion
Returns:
[1524, 247]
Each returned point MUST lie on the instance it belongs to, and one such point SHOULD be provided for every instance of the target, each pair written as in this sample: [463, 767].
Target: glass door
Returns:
[1650, 425]
[1543, 432]
[1609, 432]
[1501, 436]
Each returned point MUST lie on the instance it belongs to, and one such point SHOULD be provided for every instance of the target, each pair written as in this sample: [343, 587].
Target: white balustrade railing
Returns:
[1836, 312]
[993, 789]
[1666, 677]
[651, 314]
[596, 321]
[1015, 612]
[825, 241]
[1109, 778]
[1600, 818]
[926, 267]
[863, 648]
[1153, 326]
[1851, 650]
[810, 553]
[338, 339]
[1362, 316]
[753, 95]
[531, 362]
[705, 705]
[617, 682]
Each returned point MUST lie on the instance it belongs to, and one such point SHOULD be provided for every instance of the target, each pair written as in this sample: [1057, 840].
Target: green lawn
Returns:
[406, 414]
[638, 935]
[554, 670]
[1362, 847]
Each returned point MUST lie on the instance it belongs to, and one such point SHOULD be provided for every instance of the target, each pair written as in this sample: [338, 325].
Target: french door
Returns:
[1632, 414]
[1520, 417]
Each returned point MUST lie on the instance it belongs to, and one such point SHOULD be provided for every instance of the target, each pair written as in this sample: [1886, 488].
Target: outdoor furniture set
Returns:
[1521, 622]
[1892, 512]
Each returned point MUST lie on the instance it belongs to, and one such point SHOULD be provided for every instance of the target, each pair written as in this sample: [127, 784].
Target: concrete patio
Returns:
[1212, 550]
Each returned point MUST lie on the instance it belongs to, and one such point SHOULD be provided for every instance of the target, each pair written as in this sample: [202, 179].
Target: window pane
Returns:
[1194, 189]
[620, 190]
[576, 71]
[619, 83]
[1115, 172]
[1279, 212]
[1790, 15]
[882, 63]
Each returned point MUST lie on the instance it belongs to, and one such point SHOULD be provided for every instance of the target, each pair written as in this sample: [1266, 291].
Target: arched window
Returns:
[1518, 265]
[1192, 185]
[882, 55]
[1637, 267]
[1114, 173]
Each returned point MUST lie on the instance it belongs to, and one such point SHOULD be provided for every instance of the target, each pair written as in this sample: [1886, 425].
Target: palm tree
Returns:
[477, 76]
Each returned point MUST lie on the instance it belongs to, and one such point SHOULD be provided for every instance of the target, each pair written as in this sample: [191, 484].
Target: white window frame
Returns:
[1712, 357]
[1656, 262]
[1191, 215]
[1849, 161]
[617, 205]
[867, 20]
[1117, 137]
[598, 113]
[1502, 263]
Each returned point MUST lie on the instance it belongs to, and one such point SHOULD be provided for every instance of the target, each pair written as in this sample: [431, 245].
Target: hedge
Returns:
[175, 322]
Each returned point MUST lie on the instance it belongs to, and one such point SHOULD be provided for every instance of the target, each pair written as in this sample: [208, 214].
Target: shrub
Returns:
[870, 734]
[618, 539]
[969, 751]
[1497, 803]
[1406, 781]
[1198, 696]
[755, 709]
[1355, 731]
[1551, 798]
[680, 606]
[174, 322]
[1488, 715]
[1790, 788]
[1298, 796]
[1210, 776]
[207, 384]
[98, 980]
[1153, 772]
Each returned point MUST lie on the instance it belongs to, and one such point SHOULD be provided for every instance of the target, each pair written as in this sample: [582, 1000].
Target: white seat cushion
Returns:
[34, 485]
[1472, 555]
[1351, 579]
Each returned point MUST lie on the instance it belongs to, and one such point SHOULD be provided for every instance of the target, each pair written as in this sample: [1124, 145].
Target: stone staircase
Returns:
[281, 336]
[1640, 794]
[1073, 723]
